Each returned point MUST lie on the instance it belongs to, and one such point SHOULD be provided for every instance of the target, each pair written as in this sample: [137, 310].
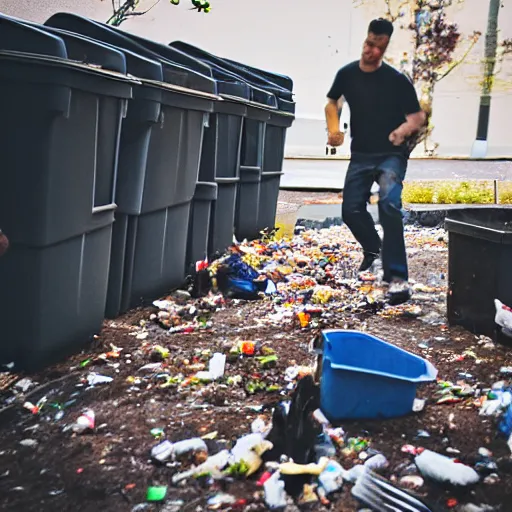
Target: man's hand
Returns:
[335, 139]
[398, 136]
[4, 244]
[413, 124]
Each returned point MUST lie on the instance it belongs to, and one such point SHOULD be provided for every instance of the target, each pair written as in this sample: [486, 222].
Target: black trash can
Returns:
[200, 221]
[163, 137]
[248, 203]
[479, 267]
[220, 160]
[273, 157]
[274, 137]
[244, 213]
[59, 140]
[263, 143]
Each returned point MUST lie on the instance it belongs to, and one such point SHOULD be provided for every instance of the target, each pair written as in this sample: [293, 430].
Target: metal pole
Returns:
[496, 195]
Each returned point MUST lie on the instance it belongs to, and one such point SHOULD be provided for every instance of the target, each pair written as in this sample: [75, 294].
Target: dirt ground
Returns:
[110, 468]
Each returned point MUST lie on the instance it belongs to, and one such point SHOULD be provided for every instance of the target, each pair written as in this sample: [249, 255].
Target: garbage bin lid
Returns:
[82, 48]
[25, 43]
[492, 223]
[282, 81]
[89, 51]
[248, 74]
[18, 37]
[229, 86]
[173, 74]
[171, 54]
[251, 92]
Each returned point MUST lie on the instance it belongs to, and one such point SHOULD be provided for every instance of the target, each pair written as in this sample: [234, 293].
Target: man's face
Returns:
[374, 48]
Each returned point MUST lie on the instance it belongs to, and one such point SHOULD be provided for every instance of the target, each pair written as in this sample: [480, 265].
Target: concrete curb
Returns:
[424, 215]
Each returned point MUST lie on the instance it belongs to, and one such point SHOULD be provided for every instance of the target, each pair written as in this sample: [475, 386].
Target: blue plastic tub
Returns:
[363, 377]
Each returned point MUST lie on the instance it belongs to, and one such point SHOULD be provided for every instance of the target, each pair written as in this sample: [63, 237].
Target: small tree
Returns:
[122, 10]
[434, 41]
[506, 46]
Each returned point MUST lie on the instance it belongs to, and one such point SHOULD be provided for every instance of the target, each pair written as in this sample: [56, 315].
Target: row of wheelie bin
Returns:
[125, 161]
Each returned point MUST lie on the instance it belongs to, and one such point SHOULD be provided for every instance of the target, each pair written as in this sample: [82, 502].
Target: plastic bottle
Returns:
[445, 470]
[275, 495]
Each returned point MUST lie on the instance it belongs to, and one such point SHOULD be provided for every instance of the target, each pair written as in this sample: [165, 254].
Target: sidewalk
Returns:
[330, 174]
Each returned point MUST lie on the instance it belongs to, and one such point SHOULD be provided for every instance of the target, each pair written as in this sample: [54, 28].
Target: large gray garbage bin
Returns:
[164, 139]
[59, 139]
[263, 141]
[200, 221]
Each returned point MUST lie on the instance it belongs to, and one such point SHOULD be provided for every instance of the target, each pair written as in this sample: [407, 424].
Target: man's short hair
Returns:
[381, 27]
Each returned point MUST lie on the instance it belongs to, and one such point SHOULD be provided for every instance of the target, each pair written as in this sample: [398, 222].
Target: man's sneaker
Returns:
[366, 264]
[371, 273]
[399, 292]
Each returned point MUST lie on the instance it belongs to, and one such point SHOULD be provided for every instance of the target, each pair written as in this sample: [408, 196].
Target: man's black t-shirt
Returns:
[379, 102]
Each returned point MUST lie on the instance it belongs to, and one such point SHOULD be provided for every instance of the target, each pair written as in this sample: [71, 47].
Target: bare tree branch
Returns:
[136, 13]
[393, 17]
[459, 61]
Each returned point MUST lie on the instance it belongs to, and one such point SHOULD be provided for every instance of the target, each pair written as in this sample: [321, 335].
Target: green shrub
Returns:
[456, 192]
[505, 192]
[417, 193]
[445, 194]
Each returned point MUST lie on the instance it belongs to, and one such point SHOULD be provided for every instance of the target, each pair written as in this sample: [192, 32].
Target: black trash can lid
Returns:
[248, 74]
[174, 74]
[228, 85]
[86, 50]
[135, 64]
[18, 37]
[170, 54]
[29, 53]
[282, 81]
[492, 223]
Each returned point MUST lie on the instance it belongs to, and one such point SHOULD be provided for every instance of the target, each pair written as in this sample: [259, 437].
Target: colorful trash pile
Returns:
[211, 356]
[307, 280]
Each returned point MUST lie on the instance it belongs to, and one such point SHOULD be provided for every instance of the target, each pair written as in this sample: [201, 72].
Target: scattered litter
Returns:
[29, 443]
[411, 482]
[94, 379]
[157, 493]
[84, 422]
[445, 470]
[281, 440]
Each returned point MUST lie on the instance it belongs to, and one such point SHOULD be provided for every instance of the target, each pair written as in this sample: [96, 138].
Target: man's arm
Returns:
[415, 117]
[333, 111]
[413, 124]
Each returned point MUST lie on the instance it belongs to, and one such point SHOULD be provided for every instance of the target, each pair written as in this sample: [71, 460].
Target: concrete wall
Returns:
[309, 41]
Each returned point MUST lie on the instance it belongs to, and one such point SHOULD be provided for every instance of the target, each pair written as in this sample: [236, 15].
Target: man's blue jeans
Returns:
[389, 172]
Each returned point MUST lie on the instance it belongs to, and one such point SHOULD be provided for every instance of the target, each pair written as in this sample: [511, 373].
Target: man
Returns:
[384, 115]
